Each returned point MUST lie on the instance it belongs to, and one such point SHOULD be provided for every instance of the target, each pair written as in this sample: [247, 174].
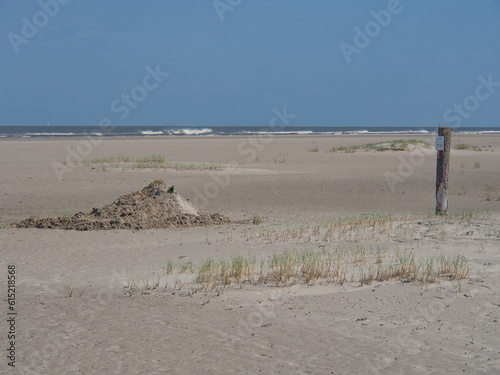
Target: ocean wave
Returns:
[262, 132]
[358, 132]
[189, 131]
[404, 132]
[150, 132]
[145, 131]
[354, 132]
[48, 134]
[478, 132]
[397, 132]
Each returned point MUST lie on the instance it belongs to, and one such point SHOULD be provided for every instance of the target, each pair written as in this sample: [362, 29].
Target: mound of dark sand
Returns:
[154, 207]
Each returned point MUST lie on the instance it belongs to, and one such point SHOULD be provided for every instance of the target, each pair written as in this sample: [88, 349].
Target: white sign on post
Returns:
[440, 143]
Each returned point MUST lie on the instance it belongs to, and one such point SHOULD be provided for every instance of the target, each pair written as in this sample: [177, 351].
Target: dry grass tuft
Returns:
[70, 290]
[354, 265]
[256, 219]
[463, 146]
[147, 162]
[397, 145]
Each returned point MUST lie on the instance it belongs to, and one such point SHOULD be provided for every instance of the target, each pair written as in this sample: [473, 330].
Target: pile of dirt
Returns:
[154, 207]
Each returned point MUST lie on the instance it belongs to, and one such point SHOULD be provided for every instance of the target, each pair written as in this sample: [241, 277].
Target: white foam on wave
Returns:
[298, 132]
[479, 132]
[358, 132]
[402, 132]
[189, 131]
[150, 132]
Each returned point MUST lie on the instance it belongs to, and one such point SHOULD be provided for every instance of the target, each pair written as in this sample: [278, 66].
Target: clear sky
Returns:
[230, 62]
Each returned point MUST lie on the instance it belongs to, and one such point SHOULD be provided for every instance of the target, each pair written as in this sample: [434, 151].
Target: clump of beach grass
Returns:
[397, 145]
[71, 289]
[370, 227]
[339, 229]
[147, 162]
[463, 146]
[128, 159]
[342, 265]
[256, 219]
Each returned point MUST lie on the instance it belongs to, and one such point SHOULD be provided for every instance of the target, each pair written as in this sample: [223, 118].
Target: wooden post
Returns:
[442, 172]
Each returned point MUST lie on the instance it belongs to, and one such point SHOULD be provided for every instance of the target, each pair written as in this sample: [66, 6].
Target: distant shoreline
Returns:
[162, 131]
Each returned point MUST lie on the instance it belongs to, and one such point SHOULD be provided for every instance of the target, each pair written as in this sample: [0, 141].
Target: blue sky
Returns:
[234, 64]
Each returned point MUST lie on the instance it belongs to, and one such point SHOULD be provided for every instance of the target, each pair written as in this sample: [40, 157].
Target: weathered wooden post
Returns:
[443, 146]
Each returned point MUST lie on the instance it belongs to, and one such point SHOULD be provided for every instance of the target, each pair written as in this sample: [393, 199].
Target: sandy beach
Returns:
[295, 186]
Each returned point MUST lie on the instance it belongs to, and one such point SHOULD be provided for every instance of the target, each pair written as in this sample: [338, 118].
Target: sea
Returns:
[48, 131]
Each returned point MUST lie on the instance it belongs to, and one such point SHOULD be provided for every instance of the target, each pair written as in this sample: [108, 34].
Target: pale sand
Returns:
[388, 328]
